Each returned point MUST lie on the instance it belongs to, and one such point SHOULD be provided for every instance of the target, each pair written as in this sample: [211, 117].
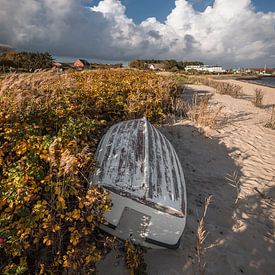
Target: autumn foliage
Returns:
[50, 125]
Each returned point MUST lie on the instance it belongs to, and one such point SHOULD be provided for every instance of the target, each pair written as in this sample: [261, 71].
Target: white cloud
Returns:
[63, 27]
[228, 32]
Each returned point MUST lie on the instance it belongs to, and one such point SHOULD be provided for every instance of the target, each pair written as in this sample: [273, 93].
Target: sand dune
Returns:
[240, 234]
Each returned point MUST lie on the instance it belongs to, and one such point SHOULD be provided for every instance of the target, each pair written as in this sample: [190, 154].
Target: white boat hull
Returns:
[144, 225]
[141, 169]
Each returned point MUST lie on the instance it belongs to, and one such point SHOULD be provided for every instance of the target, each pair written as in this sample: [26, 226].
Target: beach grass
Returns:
[201, 112]
[271, 122]
[258, 99]
[223, 88]
[201, 237]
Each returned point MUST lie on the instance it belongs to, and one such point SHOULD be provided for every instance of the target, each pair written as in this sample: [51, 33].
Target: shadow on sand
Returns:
[234, 245]
[235, 242]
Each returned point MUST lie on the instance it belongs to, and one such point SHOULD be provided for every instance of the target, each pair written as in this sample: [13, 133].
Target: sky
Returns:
[140, 10]
[235, 33]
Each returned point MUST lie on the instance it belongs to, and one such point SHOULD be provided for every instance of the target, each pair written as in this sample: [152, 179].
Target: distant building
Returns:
[155, 67]
[205, 68]
[81, 64]
[61, 66]
[264, 70]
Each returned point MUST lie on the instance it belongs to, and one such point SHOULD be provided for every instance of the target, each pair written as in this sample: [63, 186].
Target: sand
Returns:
[249, 91]
[240, 237]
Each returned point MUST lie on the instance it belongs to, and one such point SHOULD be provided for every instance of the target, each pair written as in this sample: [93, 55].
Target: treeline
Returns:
[168, 64]
[26, 61]
[105, 66]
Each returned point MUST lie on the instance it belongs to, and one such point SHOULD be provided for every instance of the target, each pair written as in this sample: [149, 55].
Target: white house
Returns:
[155, 67]
[206, 68]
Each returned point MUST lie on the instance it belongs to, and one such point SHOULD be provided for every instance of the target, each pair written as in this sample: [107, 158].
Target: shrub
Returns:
[26, 60]
[50, 127]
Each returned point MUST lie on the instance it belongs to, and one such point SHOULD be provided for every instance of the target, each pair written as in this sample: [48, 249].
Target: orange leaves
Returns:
[66, 263]
[56, 228]
[131, 93]
[21, 148]
[47, 241]
[76, 214]
[1, 157]
[43, 154]
[134, 258]
[80, 205]
[90, 218]
[88, 259]
[75, 237]
[62, 202]
[48, 136]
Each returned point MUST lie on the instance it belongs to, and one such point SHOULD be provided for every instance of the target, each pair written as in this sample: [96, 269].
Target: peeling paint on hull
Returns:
[142, 170]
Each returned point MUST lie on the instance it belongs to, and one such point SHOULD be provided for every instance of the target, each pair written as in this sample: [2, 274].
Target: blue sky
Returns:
[140, 10]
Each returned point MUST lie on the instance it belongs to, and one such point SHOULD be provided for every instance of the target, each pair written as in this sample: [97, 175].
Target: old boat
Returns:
[141, 169]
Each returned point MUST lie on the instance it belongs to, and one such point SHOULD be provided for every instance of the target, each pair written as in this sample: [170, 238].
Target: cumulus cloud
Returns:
[228, 32]
[63, 27]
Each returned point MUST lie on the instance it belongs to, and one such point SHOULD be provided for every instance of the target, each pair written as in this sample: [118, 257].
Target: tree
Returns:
[26, 60]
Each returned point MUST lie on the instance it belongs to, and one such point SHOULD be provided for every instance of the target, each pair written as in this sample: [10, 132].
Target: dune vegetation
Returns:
[51, 124]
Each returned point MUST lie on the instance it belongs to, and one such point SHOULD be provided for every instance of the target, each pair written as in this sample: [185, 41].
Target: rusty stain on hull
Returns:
[137, 161]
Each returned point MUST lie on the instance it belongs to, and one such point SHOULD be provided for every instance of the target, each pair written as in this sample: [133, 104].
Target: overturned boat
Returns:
[142, 172]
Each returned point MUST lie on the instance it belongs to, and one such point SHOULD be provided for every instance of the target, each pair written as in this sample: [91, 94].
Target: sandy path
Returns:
[240, 235]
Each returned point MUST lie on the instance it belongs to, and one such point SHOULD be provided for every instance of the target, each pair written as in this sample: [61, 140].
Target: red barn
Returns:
[81, 64]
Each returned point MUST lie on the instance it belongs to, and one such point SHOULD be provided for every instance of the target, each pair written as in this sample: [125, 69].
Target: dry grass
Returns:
[200, 111]
[258, 99]
[201, 236]
[179, 107]
[223, 88]
[234, 181]
[271, 121]
[182, 80]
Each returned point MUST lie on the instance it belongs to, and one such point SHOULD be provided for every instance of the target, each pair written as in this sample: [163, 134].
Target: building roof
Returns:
[85, 62]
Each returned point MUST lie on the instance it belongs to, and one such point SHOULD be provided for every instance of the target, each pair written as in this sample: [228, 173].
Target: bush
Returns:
[50, 127]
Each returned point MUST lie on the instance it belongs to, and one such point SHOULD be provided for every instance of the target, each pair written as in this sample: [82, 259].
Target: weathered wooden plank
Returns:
[135, 158]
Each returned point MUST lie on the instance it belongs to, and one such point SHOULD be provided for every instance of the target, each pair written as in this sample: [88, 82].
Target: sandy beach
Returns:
[249, 90]
[240, 238]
